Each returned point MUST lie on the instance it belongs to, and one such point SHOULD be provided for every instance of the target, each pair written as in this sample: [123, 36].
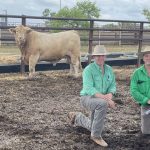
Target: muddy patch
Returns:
[33, 115]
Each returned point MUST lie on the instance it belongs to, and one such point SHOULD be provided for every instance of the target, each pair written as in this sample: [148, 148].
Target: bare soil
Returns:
[33, 115]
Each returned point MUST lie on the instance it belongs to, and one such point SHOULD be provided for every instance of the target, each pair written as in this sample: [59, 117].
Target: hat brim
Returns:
[143, 53]
[100, 54]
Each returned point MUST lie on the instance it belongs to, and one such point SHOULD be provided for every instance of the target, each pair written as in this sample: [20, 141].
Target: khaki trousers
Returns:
[95, 123]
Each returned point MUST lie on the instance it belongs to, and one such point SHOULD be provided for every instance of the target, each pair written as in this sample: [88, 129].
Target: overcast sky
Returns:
[110, 9]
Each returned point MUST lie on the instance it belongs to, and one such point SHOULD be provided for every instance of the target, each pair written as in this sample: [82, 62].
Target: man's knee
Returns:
[102, 104]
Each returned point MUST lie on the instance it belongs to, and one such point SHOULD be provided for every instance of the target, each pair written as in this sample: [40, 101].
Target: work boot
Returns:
[99, 141]
[72, 116]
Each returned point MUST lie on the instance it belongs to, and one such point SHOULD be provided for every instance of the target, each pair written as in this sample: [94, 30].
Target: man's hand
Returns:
[111, 104]
[148, 102]
[109, 96]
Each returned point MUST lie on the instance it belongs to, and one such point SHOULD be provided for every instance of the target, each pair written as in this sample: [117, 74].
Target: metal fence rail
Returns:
[15, 68]
[138, 36]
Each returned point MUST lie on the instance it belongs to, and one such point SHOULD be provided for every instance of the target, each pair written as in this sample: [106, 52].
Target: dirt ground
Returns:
[9, 59]
[33, 115]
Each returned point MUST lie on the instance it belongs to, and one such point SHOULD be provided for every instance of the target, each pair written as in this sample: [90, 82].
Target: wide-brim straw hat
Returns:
[99, 50]
[145, 50]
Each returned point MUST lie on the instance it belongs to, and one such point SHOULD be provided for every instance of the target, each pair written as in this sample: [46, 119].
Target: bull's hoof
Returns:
[30, 78]
[72, 76]
[77, 75]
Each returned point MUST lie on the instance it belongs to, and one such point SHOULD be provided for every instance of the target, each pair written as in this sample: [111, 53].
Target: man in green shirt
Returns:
[140, 90]
[96, 95]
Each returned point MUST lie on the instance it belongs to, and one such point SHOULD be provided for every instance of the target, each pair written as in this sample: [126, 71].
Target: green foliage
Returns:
[123, 25]
[110, 26]
[68, 13]
[89, 9]
[84, 9]
[126, 25]
[48, 13]
[146, 13]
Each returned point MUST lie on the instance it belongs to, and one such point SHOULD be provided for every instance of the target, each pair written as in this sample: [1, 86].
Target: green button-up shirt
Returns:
[95, 82]
[140, 86]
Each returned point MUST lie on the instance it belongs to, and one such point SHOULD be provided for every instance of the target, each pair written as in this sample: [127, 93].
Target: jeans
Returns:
[98, 109]
[145, 120]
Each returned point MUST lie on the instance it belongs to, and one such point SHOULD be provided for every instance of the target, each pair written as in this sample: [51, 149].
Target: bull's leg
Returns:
[71, 66]
[33, 59]
[80, 66]
[71, 69]
[75, 62]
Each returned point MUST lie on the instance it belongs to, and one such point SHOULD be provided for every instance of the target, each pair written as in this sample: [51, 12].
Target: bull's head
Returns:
[20, 33]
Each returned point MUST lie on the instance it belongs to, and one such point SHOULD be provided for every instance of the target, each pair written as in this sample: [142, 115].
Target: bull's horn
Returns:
[12, 30]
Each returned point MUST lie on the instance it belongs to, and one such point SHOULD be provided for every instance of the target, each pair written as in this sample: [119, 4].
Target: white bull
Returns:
[36, 46]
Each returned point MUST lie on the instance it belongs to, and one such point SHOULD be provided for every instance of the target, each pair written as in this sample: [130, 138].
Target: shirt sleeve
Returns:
[139, 97]
[88, 83]
[112, 87]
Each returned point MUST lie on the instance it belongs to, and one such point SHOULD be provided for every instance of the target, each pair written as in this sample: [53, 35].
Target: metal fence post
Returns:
[22, 67]
[23, 20]
[90, 41]
[140, 43]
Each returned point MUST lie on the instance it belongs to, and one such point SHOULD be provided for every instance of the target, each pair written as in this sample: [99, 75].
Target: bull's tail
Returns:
[80, 66]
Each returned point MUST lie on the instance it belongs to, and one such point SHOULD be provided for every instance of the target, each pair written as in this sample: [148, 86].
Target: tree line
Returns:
[83, 10]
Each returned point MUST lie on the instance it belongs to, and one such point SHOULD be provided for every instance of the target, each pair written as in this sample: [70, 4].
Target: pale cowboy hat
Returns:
[145, 51]
[99, 50]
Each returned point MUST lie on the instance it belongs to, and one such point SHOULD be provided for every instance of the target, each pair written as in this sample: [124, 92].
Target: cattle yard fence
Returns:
[99, 31]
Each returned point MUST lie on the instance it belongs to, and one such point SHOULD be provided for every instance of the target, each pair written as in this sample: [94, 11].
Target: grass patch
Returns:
[14, 50]
[115, 48]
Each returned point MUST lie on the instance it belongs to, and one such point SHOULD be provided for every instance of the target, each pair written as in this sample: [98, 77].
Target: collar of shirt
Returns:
[144, 70]
[98, 67]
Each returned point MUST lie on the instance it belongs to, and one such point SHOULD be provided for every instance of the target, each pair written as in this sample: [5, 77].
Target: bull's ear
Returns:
[28, 30]
[12, 30]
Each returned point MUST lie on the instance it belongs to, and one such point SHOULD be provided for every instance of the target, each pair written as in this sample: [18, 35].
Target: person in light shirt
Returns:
[99, 86]
[140, 89]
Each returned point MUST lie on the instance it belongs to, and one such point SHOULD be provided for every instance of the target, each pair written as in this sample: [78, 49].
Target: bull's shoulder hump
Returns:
[74, 31]
[65, 32]
[70, 31]
[37, 33]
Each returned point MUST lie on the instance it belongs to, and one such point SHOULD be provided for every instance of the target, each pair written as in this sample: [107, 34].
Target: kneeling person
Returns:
[98, 88]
